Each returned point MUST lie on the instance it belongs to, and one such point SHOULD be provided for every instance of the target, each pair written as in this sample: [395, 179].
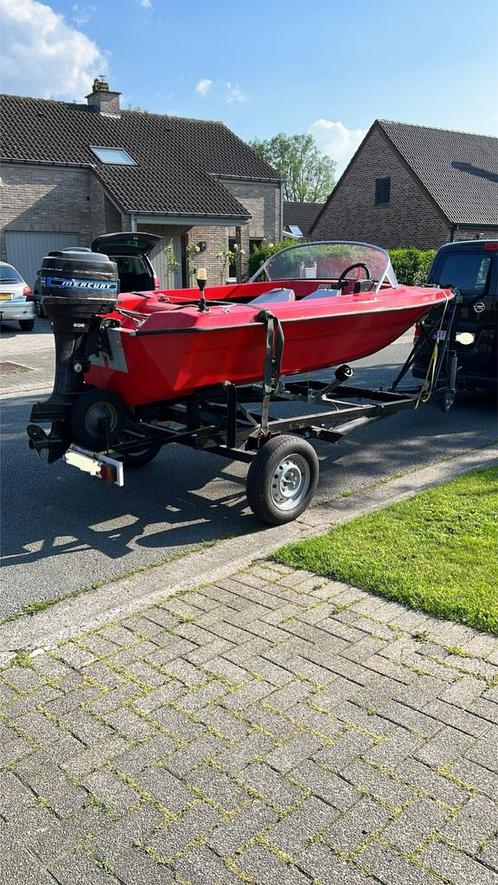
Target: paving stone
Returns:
[293, 832]
[462, 692]
[277, 791]
[389, 867]
[316, 720]
[212, 649]
[19, 868]
[14, 750]
[52, 785]
[377, 783]
[13, 794]
[205, 694]
[122, 835]
[272, 721]
[298, 748]
[95, 757]
[115, 698]
[345, 749]
[245, 751]
[320, 862]
[247, 695]
[129, 724]
[483, 751]
[227, 838]
[195, 823]
[39, 728]
[291, 694]
[66, 836]
[224, 722]
[72, 654]
[325, 785]
[415, 824]
[205, 747]
[159, 697]
[353, 827]
[86, 727]
[444, 747]
[394, 749]
[81, 870]
[485, 709]
[165, 788]
[489, 854]
[461, 719]
[425, 780]
[200, 866]
[135, 867]
[475, 776]
[475, 823]
[111, 790]
[150, 753]
[217, 787]
[22, 678]
[455, 866]
[258, 862]
[178, 725]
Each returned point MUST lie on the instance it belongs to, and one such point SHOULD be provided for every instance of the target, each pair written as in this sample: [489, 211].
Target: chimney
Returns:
[104, 101]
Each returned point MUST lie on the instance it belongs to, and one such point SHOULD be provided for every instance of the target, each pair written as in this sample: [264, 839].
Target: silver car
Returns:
[14, 304]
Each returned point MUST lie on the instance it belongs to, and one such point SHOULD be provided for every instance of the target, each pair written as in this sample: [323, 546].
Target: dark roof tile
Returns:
[302, 214]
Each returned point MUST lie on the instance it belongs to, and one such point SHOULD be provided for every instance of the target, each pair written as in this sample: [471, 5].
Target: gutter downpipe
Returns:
[133, 223]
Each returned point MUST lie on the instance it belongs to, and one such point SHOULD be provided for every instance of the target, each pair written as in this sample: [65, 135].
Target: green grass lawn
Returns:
[437, 551]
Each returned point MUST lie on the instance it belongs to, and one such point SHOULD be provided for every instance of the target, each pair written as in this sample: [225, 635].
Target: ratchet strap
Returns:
[428, 383]
[273, 361]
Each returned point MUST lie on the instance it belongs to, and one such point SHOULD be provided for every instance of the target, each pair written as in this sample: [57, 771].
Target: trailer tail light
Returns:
[157, 283]
[491, 247]
[27, 291]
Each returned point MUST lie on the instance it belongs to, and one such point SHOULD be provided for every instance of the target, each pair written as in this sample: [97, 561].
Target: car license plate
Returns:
[5, 296]
[101, 466]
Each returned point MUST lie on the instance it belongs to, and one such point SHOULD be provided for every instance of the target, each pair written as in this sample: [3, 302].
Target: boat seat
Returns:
[321, 293]
[274, 295]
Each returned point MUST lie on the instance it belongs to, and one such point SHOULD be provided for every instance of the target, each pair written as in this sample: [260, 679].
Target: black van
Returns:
[472, 267]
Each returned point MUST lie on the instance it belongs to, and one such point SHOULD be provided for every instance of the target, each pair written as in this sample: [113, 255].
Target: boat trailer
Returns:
[240, 423]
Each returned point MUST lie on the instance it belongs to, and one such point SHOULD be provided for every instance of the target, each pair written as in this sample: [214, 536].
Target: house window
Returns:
[113, 156]
[382, 191]
[254, 244]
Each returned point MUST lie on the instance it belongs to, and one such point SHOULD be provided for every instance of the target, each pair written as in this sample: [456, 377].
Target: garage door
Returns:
[25, 249]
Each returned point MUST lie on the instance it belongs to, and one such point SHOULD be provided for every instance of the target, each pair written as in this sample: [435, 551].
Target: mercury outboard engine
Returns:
[78, 287]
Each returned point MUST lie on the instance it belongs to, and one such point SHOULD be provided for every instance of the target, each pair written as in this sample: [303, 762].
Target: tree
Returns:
[308, 175]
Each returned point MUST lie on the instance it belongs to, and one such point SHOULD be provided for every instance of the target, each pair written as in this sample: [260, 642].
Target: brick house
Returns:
[72, 171]
[414, 186]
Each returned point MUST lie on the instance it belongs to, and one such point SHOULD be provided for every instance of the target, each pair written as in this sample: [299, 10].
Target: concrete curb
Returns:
[122, 598]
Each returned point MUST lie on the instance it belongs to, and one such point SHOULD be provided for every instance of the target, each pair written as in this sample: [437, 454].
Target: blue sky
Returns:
[267, 65]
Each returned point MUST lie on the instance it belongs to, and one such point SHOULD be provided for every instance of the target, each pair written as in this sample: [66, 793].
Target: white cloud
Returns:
[83, 13]
[44, 56]
[337, 141]
[145, 4]
[203, 87]
[233, 92]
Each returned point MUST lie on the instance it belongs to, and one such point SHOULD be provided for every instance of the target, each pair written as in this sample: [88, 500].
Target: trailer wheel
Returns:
[282, 479]
[90, 414]
[138, 459]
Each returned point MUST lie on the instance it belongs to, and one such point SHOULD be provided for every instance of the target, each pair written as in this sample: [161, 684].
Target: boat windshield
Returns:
[329, 261]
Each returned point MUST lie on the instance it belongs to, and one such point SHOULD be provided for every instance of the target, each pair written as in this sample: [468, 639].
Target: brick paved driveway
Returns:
[272, 728]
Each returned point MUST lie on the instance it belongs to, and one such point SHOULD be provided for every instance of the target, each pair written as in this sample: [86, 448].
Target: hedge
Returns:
[410, 265]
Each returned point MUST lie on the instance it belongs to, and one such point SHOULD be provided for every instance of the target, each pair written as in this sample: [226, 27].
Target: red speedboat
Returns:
[336, 302]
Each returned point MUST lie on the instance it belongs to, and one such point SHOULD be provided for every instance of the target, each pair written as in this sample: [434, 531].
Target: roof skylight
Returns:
[113, 156]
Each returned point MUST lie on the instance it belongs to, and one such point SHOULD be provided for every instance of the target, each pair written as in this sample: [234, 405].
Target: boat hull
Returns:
[171, 363]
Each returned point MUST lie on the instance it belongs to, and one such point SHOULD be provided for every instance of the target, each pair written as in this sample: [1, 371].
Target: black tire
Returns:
[144, 456]
[271, 481]
[87, 415]
[26, 325]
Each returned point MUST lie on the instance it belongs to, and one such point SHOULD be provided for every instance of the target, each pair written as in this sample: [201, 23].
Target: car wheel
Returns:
[142, 457]
[26, 325]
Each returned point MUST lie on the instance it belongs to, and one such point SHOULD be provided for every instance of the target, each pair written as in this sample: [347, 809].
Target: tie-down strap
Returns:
[272, 364]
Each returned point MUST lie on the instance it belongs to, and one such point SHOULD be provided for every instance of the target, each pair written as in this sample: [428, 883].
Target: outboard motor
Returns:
[78, 287]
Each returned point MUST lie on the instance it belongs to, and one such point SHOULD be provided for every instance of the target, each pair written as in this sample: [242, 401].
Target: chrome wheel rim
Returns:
[290, 482]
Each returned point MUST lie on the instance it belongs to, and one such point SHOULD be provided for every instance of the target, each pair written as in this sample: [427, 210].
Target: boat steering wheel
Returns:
[342, 278]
